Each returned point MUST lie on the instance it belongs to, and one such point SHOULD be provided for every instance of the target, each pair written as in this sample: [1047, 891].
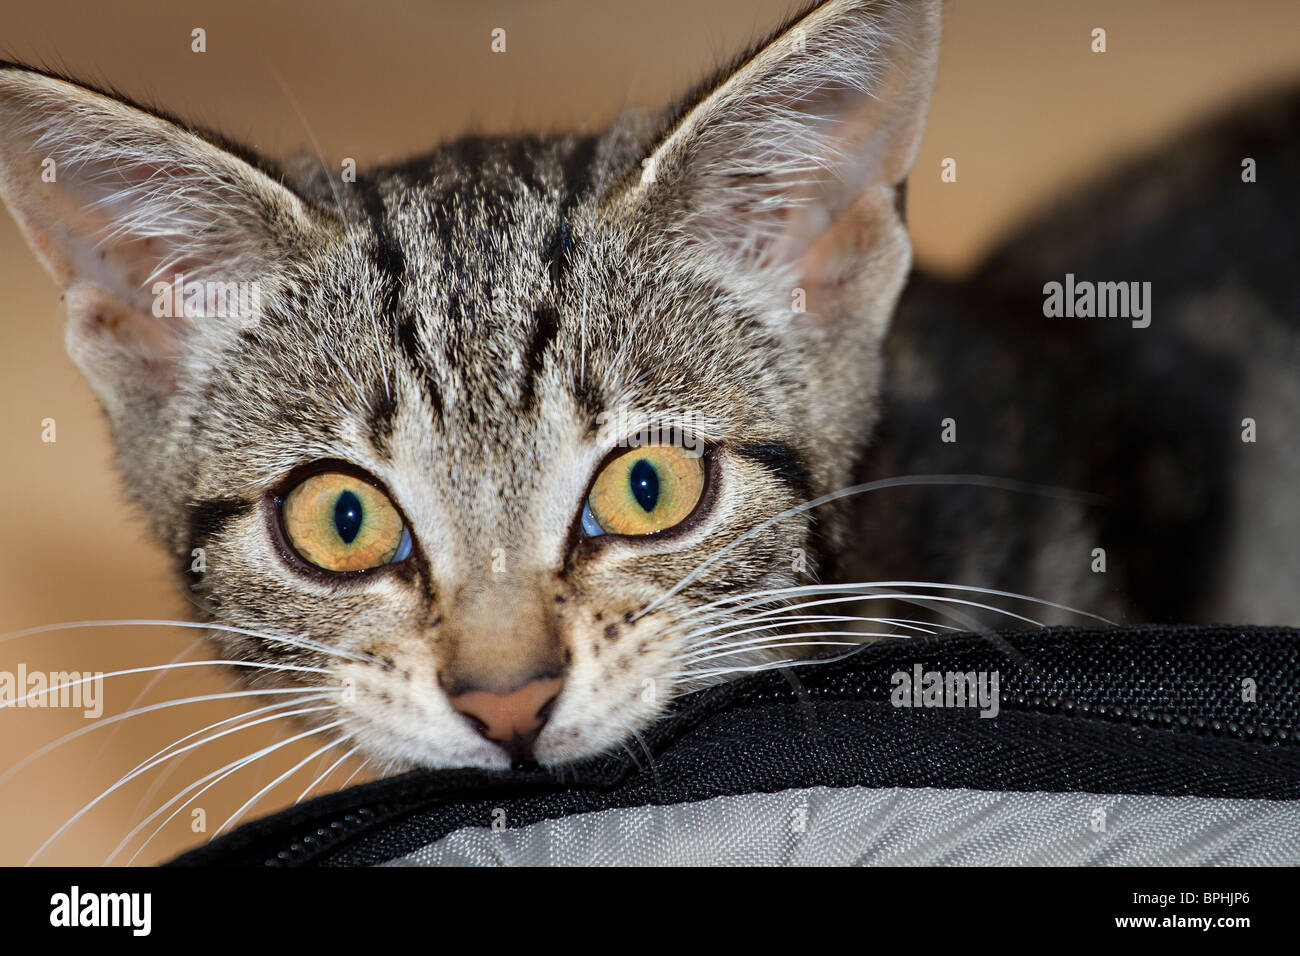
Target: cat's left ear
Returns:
[792, 163]
[114, 200]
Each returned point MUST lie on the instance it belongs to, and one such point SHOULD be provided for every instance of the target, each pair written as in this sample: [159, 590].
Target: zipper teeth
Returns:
[1162, 719]
[322, 837]
[1114, 713]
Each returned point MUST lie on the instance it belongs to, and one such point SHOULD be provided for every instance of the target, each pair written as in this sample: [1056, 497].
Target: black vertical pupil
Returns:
[645, 484]
[347, 516]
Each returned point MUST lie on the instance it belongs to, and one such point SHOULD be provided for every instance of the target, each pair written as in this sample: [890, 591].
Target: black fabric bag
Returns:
[1147, 745]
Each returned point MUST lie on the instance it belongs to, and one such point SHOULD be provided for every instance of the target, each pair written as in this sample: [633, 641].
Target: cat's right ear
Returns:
[116, 202]
[786, 169]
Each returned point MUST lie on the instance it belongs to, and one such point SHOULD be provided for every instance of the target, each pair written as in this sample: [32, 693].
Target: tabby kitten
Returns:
[506, 447]
[495, 408]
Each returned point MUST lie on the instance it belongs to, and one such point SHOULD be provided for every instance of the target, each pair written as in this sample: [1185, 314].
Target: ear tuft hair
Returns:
[769, 155]
[93, 178]
[114, 198]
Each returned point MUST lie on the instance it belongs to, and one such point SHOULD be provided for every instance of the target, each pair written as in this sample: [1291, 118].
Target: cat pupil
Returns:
[645, 484]
[347, 516]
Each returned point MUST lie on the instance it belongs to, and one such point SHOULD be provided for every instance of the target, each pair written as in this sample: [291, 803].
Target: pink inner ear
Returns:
[92, 225]
[114, 342]
[835, 269]
[125, 227]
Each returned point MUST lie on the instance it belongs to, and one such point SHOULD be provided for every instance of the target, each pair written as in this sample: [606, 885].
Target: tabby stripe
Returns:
[387, 252]
[408, 341]
[544, 332]
[578, 181]
[390, 260]
[783, 461]
[787, 464]
[207, 520]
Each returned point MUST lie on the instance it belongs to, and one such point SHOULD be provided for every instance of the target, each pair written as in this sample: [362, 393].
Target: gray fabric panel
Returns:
[868, 826]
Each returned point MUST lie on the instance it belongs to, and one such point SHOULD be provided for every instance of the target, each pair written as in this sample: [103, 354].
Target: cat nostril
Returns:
[513, 719]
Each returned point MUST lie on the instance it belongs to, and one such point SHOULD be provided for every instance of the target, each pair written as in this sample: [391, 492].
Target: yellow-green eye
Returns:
[644, 490]
[339, 522]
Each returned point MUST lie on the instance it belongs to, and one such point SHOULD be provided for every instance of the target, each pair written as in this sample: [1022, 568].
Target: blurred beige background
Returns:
[1022, 104]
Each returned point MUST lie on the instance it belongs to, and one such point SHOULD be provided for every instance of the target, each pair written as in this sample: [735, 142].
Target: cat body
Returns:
[1186, 429]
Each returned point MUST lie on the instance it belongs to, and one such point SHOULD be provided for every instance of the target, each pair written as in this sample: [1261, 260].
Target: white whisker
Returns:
[323, 777]
[123, 781]
[302, 642]
[911, 598]
[784, 620]
[173, 765]
[759, 645]
[278, 780]
[811, 589]
[108, 721]
[157, 667]
[135, 702]
[710, 677]
[771, 635]
[984, 481]
[354, 773]
[208, 782]
[167, 752]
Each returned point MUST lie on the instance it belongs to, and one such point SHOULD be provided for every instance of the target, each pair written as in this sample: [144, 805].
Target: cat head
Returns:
[492, 443]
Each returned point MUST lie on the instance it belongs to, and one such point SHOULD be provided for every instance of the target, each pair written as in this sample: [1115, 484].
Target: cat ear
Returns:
[116, 202]
[797, 156]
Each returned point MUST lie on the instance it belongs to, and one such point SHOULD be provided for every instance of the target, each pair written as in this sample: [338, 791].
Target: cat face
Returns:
[485, 420]
[502, 435]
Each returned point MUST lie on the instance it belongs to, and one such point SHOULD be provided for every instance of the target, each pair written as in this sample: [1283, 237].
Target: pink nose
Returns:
[513, 719]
